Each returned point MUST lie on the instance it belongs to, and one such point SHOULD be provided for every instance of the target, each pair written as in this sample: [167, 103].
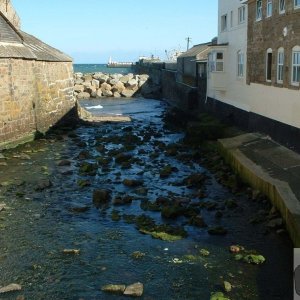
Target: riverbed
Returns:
[47, 188]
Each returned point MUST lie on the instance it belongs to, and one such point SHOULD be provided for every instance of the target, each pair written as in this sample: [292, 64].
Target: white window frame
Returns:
[296, 4]
[295, 66]
[240, 64]
[281, 6]
[224, 23]
[280, 65]
[258, 10]
[269, 51]
[269, 8]
[242, 14]
[215, 61]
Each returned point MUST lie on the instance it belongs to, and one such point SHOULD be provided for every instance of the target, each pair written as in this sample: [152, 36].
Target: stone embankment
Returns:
[99, 85]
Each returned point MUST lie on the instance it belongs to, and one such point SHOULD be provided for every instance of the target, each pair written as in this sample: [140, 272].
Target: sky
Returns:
[91, 31]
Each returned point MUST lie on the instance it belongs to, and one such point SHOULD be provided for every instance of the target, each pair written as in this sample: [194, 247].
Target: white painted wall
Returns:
[280, 104]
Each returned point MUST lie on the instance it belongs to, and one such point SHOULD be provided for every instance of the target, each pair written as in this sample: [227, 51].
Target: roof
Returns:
[15, 43]
[196, 51]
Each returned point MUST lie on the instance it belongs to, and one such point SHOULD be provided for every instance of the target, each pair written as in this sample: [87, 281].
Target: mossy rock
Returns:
[163, 236]
[254, 259]
[218, 296]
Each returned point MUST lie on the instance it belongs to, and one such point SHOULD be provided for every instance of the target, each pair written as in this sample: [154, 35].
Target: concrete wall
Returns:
[34, 96]
[9, 12]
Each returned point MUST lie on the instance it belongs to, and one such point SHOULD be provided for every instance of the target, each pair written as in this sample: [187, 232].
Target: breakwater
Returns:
[98, 85]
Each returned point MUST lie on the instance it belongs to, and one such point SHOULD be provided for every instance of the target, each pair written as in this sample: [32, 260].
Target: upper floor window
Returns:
[296, 66]
[269, 62]
[280, 64]
[240, 65]
[216, 61]
[231, 19]
[281, 6]
[269, 8]
[259, 10]
[242, 14]
[297, 3]
[224, 23]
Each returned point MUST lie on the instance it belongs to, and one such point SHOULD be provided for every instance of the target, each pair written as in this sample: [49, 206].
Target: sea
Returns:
[93, 68]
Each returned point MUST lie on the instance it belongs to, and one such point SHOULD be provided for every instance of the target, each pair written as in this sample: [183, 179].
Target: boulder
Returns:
[128, 93]
[144, 77]
[134, 290]
[78, 88]
[99, 93]
[113, 81]
[117, 95]
[83, 95]
[126, 78]
[78, 81]
[101, 197]
[10, 288]
[118, 87]
[87, 78]
[106, 93]
[131, 84]
[101, 77]
[105, 87]
[114, 288]
[96, 83]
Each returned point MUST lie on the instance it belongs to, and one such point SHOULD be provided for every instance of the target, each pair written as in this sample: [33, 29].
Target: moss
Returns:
[163, 236]
[218, 296]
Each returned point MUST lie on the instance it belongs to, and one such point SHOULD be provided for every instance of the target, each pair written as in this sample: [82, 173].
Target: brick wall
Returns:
[34, 95]
[268, 33]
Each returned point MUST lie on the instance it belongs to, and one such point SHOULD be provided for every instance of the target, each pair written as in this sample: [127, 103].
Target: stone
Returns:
[113, 81]
[101, 197]
[87, 77]
[99, 93]
[13, 287]
[78, 81]
[96, 83]
[132, 182]
[227, 286]
[64, 163]
[107, 93]
[78, 88]
[275, 223]
[83, 95]
[204, 252]
[217, 230]
[197, 221]
[43, 184]
[134, 290]
[143, 77]
[118, 87]
[254, 259]
[138, 255]
[114, 288]
[105, 87]
[131, 84]
[71, 251]
[128, 93]
[117, 95]
[218, 296]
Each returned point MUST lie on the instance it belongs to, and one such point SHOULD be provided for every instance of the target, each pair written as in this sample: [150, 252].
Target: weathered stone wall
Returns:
[34, 95]
[268, 33]
[9, 12]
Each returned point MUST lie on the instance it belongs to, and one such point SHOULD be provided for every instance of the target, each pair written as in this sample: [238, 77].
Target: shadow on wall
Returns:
[99, 85]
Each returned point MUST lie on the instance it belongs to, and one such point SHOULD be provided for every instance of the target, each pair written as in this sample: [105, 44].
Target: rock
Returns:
[99, 93]
[101, 77]
[132, 182]
[43, 184]
[78, 81]
[107, 93]
[254, 259]
[143, 77]
[71, 251]
[236, 248]
[2, 207]
[114, 81]
[105, 87]
[125, 79]
[128, 93]
[166, 171]
[122, 200]
[134, 290]
[217, 230]
[64, 163]
[96, 83]
[117, 95]
[197, 221]
[79, 88]
[138, 255]
[218, 296]
[13, 287]
[87, 77]
[83, 95]
[275, 223]
[204, 252]
[79, 209]
[114, 288]
[83, 183]
[131, 84]
[227, 286]
[122, 157]
[118, 87]
[101, 197]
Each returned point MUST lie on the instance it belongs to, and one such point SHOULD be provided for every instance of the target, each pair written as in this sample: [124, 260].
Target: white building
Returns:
[264, 106]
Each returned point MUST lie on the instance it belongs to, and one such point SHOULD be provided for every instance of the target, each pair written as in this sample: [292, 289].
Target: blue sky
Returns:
[93, 30]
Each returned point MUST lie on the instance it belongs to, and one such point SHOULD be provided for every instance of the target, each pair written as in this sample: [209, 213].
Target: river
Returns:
[47, 187]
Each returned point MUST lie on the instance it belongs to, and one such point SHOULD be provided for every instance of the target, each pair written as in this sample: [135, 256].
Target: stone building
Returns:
[36, 86]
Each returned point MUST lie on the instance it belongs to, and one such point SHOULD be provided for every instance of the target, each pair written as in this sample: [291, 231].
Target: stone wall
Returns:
[34, 96]
[9, 12]
[268, 33]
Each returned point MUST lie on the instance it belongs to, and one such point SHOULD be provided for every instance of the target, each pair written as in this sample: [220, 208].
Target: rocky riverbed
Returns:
[136, 207]
[98, 85]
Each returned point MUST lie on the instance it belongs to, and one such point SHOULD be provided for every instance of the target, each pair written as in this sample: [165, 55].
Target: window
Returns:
[231, 19]
[242, 14]
[296, 66]
[259, 10]
[224, 23]
[280, 63]
[269, 65]
[216, 61]
[240, 61]
[269, 8]
[281, 6]
[297, 3]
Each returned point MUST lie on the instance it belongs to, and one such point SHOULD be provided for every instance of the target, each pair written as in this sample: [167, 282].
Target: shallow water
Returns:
[37, 226]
